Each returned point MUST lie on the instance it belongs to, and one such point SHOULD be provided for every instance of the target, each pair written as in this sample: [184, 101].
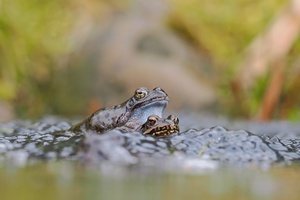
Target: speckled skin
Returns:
[160, 127]
[131, 114]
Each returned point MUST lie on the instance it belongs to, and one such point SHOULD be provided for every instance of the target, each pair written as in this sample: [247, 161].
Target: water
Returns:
[67, 180]
[35, 165]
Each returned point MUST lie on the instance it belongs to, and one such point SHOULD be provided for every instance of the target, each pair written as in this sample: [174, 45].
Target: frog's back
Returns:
[102, 120]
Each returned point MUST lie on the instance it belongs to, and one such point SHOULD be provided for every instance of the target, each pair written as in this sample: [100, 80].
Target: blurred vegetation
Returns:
[35, 38]
[225, 29]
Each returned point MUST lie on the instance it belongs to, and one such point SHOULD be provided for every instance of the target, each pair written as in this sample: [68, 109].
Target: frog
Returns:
[131, 114]
[160, 127]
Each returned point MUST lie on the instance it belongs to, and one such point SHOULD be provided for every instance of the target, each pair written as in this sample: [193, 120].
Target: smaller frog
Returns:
[159, 127]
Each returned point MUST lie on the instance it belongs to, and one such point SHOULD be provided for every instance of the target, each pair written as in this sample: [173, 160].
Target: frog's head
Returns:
[146, 102]
[158, 127]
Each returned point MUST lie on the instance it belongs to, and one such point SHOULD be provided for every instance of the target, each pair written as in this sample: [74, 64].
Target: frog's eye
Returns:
[140, 93]
[174, 119]
[151, 120]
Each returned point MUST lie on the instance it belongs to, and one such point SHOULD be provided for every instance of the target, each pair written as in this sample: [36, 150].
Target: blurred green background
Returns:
[50, 52]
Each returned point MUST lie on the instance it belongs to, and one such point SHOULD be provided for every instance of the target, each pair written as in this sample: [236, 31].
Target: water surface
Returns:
[69, 180]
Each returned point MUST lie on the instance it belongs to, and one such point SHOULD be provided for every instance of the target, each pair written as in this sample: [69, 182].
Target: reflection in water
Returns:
[67, 180]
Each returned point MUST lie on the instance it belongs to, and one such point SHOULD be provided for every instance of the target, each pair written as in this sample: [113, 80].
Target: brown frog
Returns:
[131, 114]
[159, 127]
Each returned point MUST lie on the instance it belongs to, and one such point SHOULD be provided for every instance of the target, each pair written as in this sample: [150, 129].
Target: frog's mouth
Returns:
[152, 107]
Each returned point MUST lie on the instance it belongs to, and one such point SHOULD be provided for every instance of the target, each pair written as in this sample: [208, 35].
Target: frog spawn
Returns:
[237, 147]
